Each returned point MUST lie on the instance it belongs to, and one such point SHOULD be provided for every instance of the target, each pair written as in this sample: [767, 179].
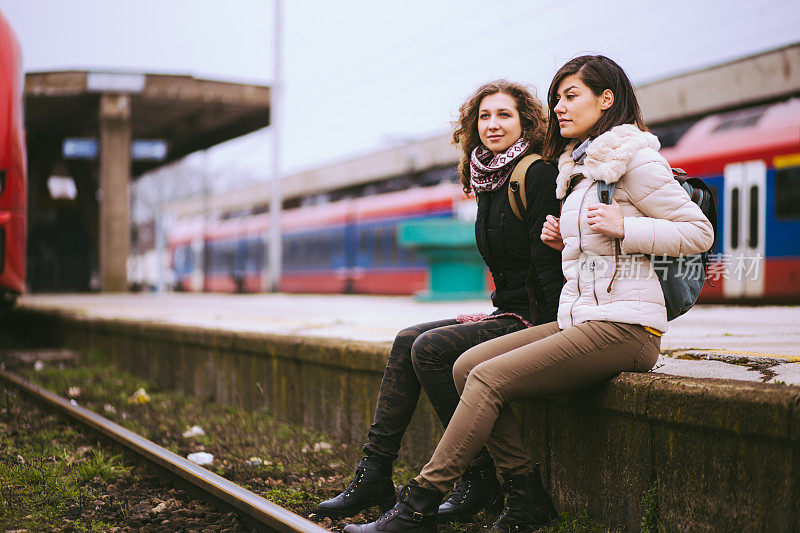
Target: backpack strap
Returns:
[605, 192]
[516, 186]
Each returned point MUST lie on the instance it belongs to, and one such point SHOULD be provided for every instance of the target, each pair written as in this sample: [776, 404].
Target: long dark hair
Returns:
[598, 73]
[531, 118]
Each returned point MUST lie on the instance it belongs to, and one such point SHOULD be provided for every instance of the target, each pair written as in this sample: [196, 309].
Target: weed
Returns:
[97, 357]
[286, 497]
[650, 520]
[100, 465]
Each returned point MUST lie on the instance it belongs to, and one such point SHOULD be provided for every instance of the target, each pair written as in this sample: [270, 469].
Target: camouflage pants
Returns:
[422, 356]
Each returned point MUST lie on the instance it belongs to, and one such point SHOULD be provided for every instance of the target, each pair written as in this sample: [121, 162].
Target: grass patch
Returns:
[650, 520]
[45, 474]
[102, 466]
[291, 466]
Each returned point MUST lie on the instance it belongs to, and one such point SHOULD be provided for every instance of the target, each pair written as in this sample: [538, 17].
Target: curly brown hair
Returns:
[531, 115]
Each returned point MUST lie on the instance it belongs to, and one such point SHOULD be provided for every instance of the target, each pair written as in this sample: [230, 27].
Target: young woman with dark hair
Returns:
[499, 125]
[610, 319]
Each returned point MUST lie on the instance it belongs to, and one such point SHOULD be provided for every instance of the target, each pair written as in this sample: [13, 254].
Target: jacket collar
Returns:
[607, 157]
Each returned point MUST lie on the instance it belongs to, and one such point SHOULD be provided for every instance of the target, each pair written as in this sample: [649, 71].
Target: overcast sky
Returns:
[363, 74]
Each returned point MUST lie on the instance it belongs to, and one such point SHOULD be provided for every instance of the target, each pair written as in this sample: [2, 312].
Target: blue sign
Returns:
[141, 149]
[79, 148]
[149, 150]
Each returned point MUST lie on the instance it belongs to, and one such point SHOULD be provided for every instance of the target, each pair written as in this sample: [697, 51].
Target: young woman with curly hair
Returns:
[611, 312]
[499, 124]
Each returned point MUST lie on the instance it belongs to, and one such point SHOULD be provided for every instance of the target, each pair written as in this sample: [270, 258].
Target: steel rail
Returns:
[261, 510]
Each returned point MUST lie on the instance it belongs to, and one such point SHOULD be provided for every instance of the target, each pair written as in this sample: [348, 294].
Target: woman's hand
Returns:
[551, 233]
[606, 219]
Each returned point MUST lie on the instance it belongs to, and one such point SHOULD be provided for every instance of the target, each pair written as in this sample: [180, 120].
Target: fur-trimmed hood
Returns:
[607, 157]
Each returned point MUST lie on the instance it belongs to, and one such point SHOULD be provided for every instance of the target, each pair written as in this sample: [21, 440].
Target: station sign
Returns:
[79, 149]
[141, 149]
[105, 82]
[149, 150]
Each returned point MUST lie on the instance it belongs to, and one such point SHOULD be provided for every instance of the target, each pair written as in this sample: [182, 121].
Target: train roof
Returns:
[760, 132]
[390, 205]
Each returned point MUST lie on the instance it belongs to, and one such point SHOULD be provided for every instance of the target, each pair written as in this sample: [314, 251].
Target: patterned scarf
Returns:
[488, 172]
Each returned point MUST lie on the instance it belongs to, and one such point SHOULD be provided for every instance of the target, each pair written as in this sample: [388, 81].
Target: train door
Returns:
[198, 266]
[264, 269]
[350, 250]
[744, 229]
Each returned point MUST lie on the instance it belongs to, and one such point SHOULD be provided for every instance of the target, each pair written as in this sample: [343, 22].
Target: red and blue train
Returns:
[348, 246]
[749, 157]
[13, 176]
[751, 160]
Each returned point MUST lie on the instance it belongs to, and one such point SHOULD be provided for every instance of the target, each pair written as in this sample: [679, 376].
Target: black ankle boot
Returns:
[477, 489]
[414, 512]
[371, 486]
[528, 507]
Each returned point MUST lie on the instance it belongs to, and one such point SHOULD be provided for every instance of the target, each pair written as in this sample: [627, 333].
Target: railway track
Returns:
[262, 513]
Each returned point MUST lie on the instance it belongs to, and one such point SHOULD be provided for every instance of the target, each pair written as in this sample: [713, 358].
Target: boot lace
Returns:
[356, 481]
[514, 506]
[460, 492]
[391, 513]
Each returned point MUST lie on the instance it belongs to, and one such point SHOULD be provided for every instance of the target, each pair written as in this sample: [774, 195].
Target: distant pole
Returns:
[159, 230]
[206, 202]
[276, 200]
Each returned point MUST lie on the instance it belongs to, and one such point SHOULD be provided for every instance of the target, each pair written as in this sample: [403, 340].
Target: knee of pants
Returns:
[481, 376]
[425, 352]
[461, 370]
[401, 347]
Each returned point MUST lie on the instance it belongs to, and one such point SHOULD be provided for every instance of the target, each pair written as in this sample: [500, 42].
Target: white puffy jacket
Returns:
[659, 219]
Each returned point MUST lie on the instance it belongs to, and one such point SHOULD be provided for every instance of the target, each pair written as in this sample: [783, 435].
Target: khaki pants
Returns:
[530, 363]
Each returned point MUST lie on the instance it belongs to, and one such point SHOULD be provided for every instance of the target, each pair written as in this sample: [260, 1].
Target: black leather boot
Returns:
[371, 486]
[477, 489]
[414, 512]
[528, 507]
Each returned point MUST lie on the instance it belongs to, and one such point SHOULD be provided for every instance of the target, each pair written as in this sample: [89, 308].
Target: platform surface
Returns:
[734, 342]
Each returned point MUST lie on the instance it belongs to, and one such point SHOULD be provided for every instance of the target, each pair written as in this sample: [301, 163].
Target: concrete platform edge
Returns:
[722, 454]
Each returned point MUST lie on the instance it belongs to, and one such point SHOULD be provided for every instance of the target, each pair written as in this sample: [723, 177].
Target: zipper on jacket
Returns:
[580, 250]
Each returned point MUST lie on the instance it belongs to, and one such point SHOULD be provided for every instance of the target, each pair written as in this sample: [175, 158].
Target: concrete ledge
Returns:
[724, 455]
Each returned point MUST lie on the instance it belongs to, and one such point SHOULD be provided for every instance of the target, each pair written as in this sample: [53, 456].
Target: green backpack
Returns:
[516, 186]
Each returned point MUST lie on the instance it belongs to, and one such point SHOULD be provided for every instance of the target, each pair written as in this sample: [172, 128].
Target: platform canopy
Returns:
[189, 114]
[104, 127]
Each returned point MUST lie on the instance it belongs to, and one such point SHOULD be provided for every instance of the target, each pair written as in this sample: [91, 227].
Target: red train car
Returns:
[13, 176]
[751, 160]
[345, 246]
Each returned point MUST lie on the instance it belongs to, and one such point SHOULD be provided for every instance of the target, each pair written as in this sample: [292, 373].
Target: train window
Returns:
[318, 244]
[741, 119]
[362, 241]
[387, 245]
[258, 252]
[752, 240]
[787, 193]
[715, 196]
[378, 258]
[292, 253]
[302, 252]
[187, 259]
[318, 249]
[735, 218]
[393, 244]
[336, 245]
